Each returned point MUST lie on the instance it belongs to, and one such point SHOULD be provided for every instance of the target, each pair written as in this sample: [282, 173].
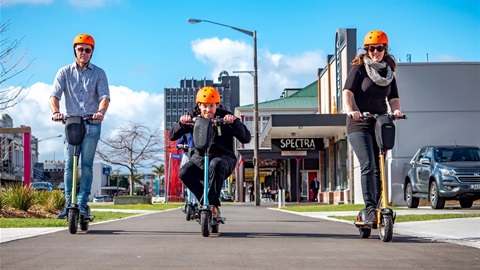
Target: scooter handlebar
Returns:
[214, 120]
[87, 117]
[367, 115]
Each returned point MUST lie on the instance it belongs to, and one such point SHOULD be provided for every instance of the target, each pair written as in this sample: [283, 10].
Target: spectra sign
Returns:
[298, 144]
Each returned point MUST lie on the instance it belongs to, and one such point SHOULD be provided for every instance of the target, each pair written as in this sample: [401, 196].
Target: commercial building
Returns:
[302, 136]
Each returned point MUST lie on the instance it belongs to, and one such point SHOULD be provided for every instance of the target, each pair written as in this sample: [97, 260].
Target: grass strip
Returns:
[410, 217]
[329, 208]
[51, 222]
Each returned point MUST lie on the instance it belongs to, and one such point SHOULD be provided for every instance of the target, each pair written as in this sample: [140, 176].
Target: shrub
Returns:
[42, 197]
[54, 201]
[20, 197]
[2, 198]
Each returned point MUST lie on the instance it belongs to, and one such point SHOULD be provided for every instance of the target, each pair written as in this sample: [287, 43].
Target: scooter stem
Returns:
[205, 177]
[74, 176]
[384, 180]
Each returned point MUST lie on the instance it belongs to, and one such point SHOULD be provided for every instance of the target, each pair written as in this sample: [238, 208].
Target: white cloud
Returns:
[126, 105]
[275, 71]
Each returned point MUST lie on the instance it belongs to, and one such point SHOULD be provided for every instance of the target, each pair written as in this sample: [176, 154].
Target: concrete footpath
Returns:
[461, 231]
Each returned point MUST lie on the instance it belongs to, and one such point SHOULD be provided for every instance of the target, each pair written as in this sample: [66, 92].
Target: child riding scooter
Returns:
[222, 159]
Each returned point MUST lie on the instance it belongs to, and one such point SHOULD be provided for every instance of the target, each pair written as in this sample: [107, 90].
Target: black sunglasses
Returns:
[81, 50]
[378, 48]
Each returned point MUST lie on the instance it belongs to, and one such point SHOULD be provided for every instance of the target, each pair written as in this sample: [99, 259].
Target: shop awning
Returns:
[302, 126]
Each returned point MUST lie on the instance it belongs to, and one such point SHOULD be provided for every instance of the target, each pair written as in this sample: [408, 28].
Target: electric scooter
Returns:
[385, 217]
[203, 135]
[75, 132]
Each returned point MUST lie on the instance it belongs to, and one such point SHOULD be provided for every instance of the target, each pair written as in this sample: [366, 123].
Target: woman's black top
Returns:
[369, 96]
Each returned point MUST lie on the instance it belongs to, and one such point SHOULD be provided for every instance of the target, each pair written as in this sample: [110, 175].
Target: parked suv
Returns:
[440, 173]
[42, 186]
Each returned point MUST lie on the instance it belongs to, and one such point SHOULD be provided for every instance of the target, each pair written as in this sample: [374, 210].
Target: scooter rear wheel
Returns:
[386, 228]
[365, 232]
[215, 228]
[84, 223]
[205, 223]
[72, 220]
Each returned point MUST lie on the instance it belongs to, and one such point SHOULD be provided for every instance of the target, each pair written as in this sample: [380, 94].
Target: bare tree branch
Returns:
[11, 67]
[134, 146]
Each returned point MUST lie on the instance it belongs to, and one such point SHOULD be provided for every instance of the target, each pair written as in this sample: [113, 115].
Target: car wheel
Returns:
[435, 201]
[412, 202]
[466, 203]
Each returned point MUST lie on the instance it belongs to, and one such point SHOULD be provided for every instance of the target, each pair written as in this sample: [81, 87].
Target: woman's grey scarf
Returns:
[373, 67]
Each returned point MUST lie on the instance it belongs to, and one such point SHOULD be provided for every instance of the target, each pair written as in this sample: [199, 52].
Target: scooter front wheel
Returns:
[205, 223]
[72, 220]
[386, 228]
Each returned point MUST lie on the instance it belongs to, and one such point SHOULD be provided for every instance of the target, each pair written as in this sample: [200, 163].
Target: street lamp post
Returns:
[256, 177]
[36, 141]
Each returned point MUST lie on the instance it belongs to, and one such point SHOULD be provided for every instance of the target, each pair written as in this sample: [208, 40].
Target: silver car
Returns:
[440, 173]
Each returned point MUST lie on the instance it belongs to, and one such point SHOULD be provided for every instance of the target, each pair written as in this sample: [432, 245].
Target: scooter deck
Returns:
[88, 218]
[367, 225]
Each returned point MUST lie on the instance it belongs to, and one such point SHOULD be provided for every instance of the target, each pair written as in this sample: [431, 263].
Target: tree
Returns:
[133, 146]
[159, 171]
[10, 67]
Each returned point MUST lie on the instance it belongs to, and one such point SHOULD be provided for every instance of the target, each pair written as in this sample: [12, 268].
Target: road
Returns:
[252, 238]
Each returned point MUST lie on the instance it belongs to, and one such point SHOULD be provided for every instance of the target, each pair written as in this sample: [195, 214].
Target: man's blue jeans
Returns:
[366, 149]
[87, 153]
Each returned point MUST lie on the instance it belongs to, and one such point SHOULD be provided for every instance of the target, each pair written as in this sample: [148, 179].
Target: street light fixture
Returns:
[58, 136]
[256, 177]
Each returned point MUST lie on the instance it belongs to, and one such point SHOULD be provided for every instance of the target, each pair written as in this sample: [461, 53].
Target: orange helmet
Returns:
[85, 39]
[208, 94]
[375, 37]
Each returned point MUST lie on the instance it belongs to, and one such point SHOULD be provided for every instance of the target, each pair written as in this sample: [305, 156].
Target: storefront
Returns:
[300, 149]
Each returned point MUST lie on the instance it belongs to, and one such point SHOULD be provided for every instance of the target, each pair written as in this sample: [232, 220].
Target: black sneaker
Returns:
[83, 210]
[63, 214]
[372, 215]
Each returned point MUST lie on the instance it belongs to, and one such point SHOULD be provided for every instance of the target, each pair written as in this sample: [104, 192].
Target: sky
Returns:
[146, 46]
